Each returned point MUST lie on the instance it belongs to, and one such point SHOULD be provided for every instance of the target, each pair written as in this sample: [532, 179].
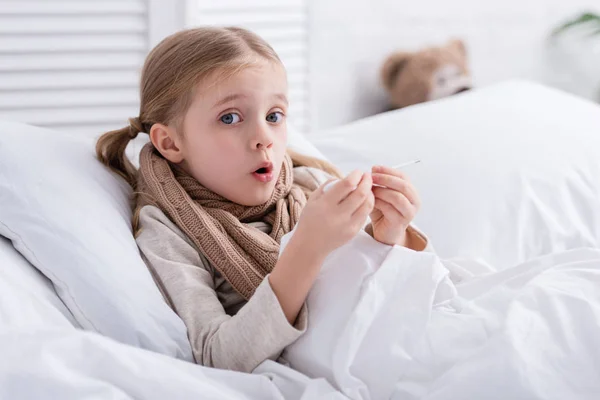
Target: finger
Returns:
[389, 212]
[344, 187]
[397, 200]
[365, 208]
[401, 185]
[354, 200]
[382, 169]
[321, 189]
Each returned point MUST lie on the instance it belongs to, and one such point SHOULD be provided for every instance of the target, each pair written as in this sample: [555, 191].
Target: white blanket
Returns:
[384, 323]
[73, 364]
[43, 356]
[393, 323]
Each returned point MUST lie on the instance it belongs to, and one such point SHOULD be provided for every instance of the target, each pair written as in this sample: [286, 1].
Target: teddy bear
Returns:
[429, 74]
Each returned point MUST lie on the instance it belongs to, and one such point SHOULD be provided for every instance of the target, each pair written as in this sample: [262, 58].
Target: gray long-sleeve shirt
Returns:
[224, 331]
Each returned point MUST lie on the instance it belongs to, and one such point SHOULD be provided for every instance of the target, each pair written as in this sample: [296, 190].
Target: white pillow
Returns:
[27, 298]
[69, 216]
[297, 141]
[508, 172]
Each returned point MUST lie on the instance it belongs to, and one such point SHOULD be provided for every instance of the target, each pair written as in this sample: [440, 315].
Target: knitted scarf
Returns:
[219, 228]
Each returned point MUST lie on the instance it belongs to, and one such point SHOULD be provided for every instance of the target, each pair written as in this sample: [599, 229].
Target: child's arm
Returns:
[293, 277]
[257, 332]
[328, 221]
[414, 239]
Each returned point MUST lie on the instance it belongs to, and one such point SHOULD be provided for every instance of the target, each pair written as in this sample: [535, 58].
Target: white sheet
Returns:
[27, 298]
[393, 323]
[45, 356]
[73, 364]
[384, 323]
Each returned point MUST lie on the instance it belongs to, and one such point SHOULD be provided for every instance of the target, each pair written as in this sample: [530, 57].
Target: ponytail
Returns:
[110, 150]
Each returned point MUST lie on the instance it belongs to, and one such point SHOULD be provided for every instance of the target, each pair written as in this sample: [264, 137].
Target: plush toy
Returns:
[432, 73]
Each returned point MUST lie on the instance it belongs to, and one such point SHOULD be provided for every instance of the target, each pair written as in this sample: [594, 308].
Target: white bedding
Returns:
[386, 323]
[391, 323]
[44, 355]
[509, 172]
[73, 364]
[27, 298]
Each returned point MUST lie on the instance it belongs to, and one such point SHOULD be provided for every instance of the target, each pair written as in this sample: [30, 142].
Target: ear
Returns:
[458, 46]
[392, 67]
[166, 140]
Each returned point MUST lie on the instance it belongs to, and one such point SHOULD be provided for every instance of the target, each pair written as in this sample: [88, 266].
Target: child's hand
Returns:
[396, 205]
[332, 218]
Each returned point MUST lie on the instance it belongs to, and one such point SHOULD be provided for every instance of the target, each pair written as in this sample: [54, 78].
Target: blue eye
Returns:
[274, 117]
[230, 118]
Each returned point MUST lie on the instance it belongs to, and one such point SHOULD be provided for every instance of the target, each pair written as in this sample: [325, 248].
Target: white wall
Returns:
[349, 40]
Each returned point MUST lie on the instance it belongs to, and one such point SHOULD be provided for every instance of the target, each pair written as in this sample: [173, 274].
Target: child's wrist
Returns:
[404, 239]
[302, 245]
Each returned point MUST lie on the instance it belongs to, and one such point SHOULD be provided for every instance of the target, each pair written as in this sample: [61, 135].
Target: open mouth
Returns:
[264, 172]
[264, 168]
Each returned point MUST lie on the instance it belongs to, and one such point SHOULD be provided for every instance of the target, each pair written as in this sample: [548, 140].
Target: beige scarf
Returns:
[219, 228]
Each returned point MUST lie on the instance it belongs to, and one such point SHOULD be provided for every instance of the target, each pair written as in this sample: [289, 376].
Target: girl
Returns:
[216, 190]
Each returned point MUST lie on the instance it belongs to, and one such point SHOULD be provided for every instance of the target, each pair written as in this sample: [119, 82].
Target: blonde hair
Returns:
[171, 71]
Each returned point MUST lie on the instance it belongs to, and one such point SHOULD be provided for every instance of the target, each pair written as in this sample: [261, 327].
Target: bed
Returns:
[509, 173]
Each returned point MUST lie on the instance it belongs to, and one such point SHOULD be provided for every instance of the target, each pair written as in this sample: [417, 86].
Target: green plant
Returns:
[587, 24]
[586, 20]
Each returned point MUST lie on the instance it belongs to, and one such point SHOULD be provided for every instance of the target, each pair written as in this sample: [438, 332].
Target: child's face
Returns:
[236, 127]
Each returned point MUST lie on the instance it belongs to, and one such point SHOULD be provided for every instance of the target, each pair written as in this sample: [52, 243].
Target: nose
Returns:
[262, 138]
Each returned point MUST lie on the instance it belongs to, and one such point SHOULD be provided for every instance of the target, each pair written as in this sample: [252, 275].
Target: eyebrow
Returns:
[236, 96]
[282, 97]
[227, 99]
